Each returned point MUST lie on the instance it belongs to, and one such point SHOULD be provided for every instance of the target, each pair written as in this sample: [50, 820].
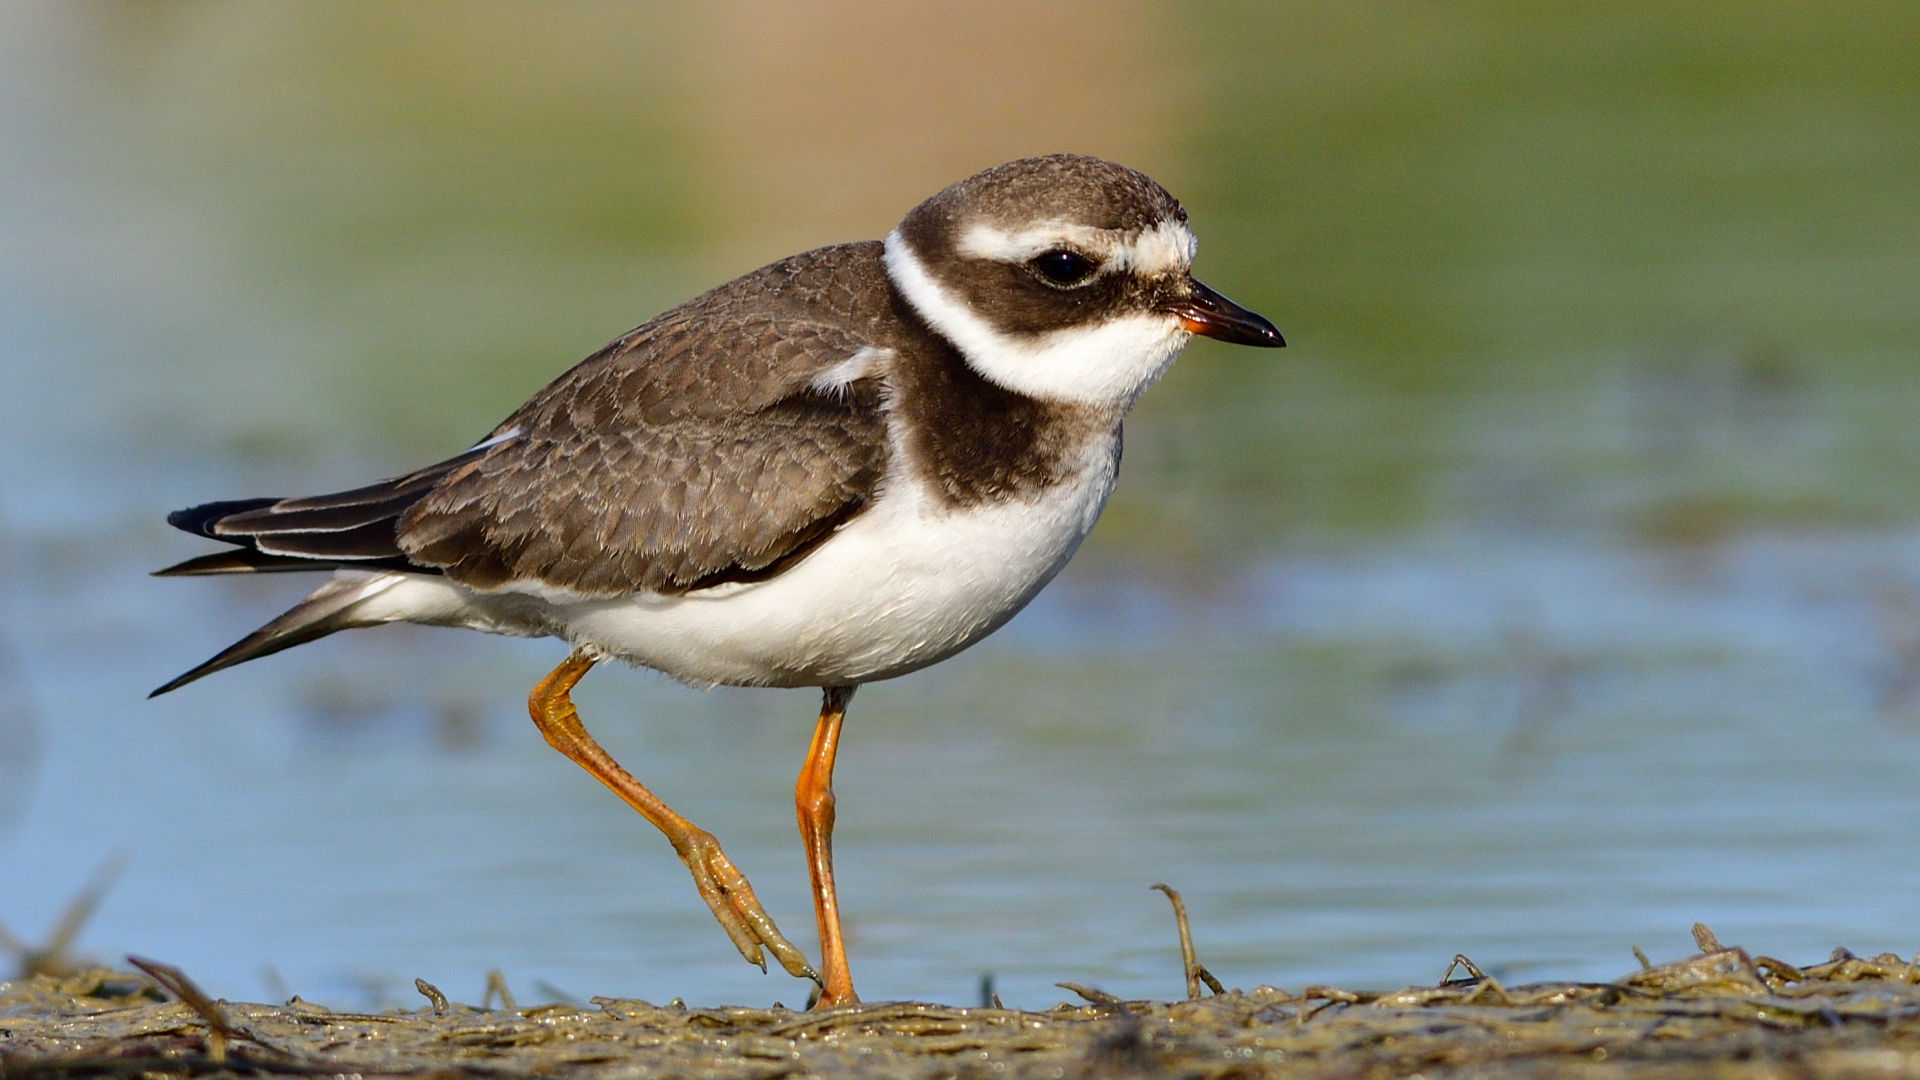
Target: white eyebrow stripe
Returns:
[1168, 246]
[836, 379]
[983, 241]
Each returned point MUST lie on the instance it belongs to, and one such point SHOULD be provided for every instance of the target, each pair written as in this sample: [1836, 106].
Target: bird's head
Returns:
[1063, 278]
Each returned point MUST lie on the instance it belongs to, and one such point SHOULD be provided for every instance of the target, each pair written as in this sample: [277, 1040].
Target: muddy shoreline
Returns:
[1723, 1012]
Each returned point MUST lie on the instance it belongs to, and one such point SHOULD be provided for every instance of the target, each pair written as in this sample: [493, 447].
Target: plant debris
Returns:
[56, 957]
[1723, 1012]
[1196, 972]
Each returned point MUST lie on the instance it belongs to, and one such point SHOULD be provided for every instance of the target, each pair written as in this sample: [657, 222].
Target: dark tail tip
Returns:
[325, 610]
[200, 520]
[181, 680]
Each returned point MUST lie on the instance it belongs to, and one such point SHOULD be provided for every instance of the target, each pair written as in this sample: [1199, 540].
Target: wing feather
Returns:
[696, 449]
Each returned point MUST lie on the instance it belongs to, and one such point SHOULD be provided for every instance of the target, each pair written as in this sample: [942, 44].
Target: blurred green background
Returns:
[1589, 475]
[1555, 221]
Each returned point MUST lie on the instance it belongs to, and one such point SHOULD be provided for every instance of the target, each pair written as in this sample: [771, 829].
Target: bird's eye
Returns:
[1064, 267]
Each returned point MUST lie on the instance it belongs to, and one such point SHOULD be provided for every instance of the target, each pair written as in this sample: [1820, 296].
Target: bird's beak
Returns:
[1209, 314]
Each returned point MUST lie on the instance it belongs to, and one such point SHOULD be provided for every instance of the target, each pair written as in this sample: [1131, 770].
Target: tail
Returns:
[326, 609]
[355, 528]
[349, 530]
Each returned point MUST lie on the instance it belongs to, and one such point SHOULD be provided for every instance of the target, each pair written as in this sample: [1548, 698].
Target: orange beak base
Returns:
[1209, 314]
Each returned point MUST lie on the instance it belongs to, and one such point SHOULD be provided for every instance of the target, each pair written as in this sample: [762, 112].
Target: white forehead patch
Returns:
[1165, 248]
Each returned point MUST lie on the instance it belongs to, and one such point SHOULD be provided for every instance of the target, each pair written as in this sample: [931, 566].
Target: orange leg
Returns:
[723, 888]
[813, 799]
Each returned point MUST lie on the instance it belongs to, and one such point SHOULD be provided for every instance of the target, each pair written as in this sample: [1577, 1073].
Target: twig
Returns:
[1196, 974]
[557, 995]
[55, 957]
[1097, 996]
[81, 909]
[1460, 961]
[497, 985]
[433, 995]
[220, 1029]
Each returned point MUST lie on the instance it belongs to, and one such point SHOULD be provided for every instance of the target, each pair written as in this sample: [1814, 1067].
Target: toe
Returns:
[746, 908]
[738, 911]
[721, 904]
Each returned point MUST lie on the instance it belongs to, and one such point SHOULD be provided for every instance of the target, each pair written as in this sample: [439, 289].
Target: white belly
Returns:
[907, 583]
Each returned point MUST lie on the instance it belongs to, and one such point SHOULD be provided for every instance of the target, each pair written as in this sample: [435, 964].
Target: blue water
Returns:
[1538, 751]
[1557, 588]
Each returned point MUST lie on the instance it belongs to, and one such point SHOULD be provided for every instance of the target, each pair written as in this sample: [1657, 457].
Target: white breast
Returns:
[907, 583]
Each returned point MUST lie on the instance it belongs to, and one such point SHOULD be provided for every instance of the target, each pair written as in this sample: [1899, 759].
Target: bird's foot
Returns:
[727, 893]
[829, 1000]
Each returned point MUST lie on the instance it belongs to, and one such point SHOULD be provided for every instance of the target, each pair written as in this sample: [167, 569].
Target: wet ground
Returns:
[1722, 1013]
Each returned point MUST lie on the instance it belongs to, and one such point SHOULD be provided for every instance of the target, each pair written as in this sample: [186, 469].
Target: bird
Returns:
[840, 468]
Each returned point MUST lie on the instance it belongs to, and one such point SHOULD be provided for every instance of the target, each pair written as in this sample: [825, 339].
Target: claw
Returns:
[730, 897]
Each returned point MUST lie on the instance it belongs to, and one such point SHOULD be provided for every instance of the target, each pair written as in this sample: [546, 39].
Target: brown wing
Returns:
[695, 450]
[698, 449]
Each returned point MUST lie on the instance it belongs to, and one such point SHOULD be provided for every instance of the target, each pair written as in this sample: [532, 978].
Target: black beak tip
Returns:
[1255, 330]
[1209, 314]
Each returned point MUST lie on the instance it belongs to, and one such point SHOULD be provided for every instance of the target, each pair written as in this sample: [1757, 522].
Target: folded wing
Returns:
[719, 442]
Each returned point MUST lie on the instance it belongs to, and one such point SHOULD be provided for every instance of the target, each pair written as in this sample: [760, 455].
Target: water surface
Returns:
[1557, 587]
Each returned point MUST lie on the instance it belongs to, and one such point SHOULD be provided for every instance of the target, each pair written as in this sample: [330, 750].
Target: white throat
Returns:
[1106, 365]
